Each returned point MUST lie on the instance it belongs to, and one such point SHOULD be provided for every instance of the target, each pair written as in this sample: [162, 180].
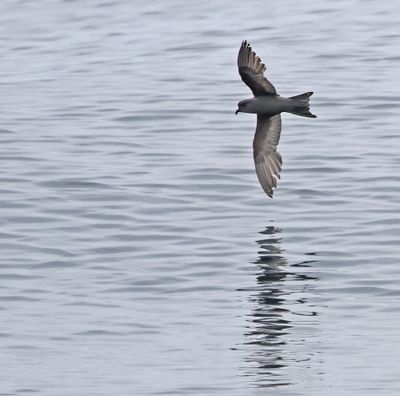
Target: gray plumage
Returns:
[268, 105]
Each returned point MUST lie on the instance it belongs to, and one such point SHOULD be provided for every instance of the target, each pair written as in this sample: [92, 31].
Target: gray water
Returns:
[139, 255]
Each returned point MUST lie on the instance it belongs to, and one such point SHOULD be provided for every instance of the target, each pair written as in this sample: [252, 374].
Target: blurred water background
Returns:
[139, 255]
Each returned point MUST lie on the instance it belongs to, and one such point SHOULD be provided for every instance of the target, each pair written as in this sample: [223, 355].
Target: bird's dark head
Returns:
[242, 106]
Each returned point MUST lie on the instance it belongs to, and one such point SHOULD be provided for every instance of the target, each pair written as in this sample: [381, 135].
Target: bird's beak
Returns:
[237, 111]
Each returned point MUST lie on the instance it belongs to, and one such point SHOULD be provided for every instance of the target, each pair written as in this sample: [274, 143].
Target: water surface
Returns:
[139, 255]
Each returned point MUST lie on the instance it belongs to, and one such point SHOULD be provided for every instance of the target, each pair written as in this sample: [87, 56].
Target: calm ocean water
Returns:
[139, 255]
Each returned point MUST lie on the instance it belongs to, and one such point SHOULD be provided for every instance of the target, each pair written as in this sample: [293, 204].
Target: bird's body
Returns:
[268, 106]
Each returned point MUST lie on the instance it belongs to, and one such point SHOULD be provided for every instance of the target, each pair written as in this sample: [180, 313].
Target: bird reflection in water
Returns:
[281, 292]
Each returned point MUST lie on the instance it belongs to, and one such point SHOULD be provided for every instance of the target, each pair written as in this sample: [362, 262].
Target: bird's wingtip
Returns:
[270, 193]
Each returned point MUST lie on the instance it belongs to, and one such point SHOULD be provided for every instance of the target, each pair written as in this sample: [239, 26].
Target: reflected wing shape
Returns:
[251, 69]
[267, 160]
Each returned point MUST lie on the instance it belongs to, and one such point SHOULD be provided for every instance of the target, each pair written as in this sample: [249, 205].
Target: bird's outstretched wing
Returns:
[267, 160]
[251, 69]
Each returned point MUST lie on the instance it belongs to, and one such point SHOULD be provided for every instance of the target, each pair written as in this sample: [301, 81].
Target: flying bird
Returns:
[268, 106]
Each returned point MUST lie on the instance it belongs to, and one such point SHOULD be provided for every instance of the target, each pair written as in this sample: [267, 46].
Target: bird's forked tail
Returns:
[301, 105]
